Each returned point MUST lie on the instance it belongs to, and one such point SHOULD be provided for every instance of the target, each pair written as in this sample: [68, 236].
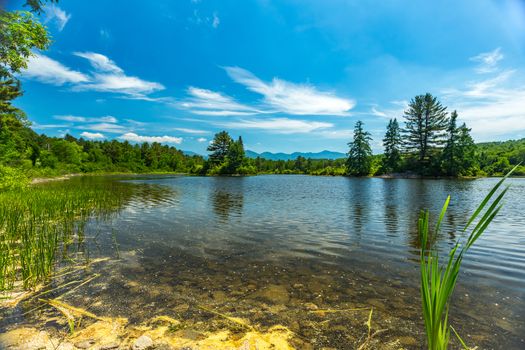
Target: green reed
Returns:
[438, 281]
[38, 224]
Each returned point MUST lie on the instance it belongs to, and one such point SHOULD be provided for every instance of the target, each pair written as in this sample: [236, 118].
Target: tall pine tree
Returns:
[359, 160]
[459, 153]
[219, 147]
[451, 156]
[426, 122]
[392, 144]
[235, 156]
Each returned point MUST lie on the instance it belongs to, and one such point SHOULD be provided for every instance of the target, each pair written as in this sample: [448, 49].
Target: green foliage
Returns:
[426, 121]
[392, 143]
[360, 154]
[12, 178]
[496, 158]
[438, 281]
[219, 147]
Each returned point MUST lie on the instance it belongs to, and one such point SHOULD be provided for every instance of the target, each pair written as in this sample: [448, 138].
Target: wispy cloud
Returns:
[100, 62]
[92, 136]
[202, 139]
[291, 98]
[278, 96]
[106, 127]
[277, 125]
[491, 106]
[140, 138]
[49, 71]
[192, 131]
[488, 61]
[78, 119]
[106, 77]
[215, 21]
[207, 102]
[55, 14]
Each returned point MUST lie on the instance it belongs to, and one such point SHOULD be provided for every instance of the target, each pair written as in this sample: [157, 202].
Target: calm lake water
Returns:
[277, 249]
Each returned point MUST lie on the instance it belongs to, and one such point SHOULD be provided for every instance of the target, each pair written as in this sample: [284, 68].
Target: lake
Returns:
[314, 254]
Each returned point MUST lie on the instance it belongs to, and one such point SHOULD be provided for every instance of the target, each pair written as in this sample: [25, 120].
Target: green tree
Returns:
[426, 122]
[219, 147]
[451, 156]
[359, 160]
[235, 156]
[459, 153]
[392, 143]
[20, 33]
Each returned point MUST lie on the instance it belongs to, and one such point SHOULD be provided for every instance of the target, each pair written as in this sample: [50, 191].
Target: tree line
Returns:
[431, 143]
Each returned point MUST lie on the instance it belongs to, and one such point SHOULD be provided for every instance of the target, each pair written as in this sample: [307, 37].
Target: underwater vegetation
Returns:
[39, 224]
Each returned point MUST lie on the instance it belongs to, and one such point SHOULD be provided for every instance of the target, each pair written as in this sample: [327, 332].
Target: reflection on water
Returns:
[278, 249]
[227, 197]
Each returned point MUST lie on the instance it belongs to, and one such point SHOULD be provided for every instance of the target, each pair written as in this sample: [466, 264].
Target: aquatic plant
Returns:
[438, 281]
[39, 224]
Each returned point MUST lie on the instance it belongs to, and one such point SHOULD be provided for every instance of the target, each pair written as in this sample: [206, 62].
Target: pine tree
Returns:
[235, 156]
[451, 156]
[219, 147]
[359, 160]
[459, 152]
[392, 143]
[426, 121]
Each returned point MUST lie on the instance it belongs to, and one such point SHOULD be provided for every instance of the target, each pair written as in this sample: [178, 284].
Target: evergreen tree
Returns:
[236, 156]
[359, 160]
[392, 143]
[219, 147]
[459, 152]
[451, 156]
[426, 121]
[467, 150]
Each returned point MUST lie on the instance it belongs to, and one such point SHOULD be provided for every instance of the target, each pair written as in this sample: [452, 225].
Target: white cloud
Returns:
[108, 77]
[92, 136]
[488, 61]
[378, 113]
[120, 83]
[47, 70]
[78, 119]
[160, 139]
[216, 20]
[492, 106]
[105, 127]
[100, 62]
[201, 139]
[277, 125]
[207, 102]
[291, 98]
[56, 14]
[192, 131]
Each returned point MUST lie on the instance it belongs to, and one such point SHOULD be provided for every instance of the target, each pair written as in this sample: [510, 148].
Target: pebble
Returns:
[85, 344]
[142, 343]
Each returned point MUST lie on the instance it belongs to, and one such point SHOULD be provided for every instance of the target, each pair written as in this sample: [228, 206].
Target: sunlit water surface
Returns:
[277, 249]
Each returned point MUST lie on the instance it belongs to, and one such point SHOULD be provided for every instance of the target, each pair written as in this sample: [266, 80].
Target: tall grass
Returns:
[438, 281]
[38, 224]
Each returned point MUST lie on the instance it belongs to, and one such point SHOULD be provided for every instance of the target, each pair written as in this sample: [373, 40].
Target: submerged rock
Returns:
[274, 293]
[142, 343]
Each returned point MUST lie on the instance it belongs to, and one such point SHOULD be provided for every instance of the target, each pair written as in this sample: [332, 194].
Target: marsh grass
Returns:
[38, 225]
[438, 281]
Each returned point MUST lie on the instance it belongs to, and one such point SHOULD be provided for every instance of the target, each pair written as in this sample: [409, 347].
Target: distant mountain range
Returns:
[291, 156]
[284, 156]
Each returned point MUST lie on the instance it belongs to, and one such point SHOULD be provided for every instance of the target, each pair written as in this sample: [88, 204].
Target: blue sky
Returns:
[286, 75]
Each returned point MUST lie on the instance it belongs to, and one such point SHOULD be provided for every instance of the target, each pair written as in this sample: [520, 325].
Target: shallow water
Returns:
[280, 249]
